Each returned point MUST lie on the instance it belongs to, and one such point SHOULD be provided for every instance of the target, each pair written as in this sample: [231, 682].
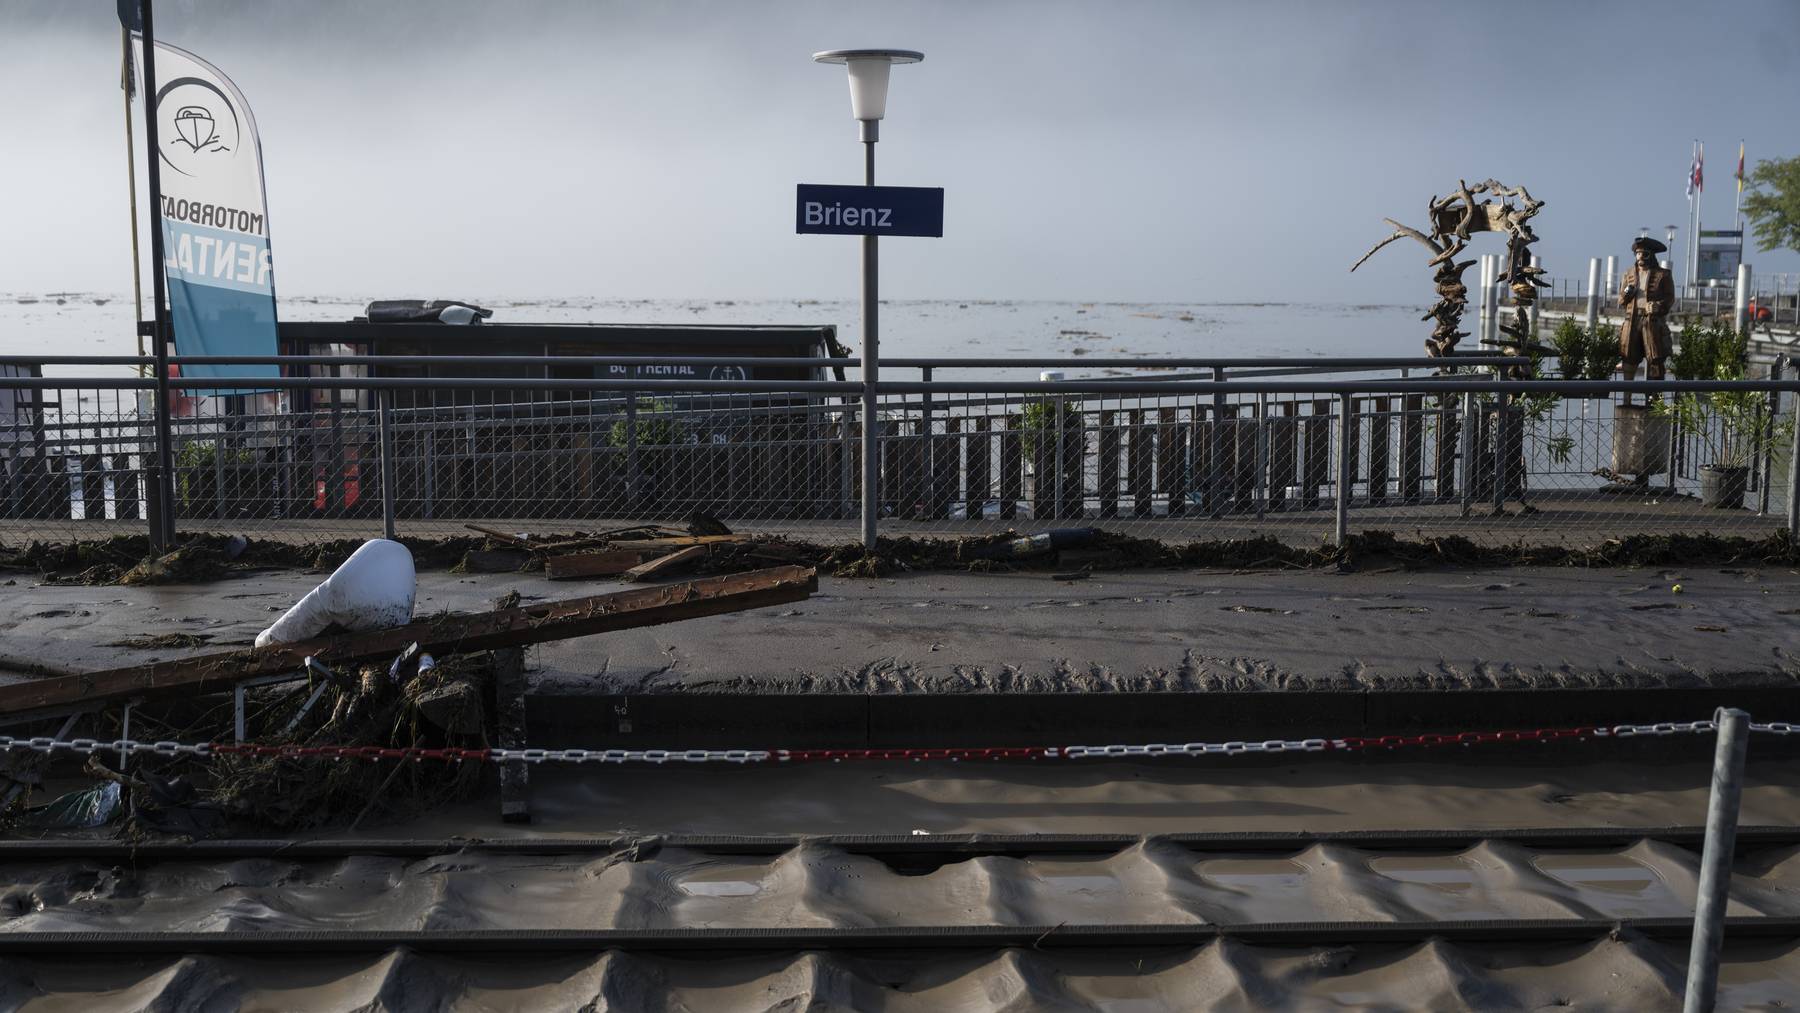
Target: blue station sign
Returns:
[869, 210]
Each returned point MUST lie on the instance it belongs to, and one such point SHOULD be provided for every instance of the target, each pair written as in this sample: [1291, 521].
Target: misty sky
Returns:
[1178, 151]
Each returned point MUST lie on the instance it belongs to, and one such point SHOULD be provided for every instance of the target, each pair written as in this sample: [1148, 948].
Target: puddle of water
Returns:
[1611, 873]
[1451, 873]
[718, 883]
[1255, 873]
[1080, 884]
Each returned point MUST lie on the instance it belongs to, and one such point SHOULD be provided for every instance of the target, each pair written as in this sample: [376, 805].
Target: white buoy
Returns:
[373, 590]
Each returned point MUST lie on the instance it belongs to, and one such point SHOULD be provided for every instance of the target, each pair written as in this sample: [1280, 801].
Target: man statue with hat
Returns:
[1646, 295]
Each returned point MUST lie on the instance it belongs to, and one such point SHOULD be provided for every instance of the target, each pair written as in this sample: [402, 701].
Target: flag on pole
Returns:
[1740, 172]
[1693, 175]
[1700, 168]
[213, 213]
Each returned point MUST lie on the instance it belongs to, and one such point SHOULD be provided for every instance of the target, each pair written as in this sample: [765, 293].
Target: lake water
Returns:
[78, 323]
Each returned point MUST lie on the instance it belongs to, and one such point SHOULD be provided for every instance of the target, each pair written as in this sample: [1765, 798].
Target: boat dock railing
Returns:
[1302, 450]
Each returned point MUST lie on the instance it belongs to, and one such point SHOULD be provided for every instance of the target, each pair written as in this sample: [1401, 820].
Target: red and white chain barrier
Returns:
[208, 750]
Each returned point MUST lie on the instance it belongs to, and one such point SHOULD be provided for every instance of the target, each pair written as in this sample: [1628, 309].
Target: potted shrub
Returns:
[1584, 354]
[1733, 427]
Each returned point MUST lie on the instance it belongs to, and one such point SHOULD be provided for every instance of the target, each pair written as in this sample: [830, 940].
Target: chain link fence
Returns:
[1303, 460]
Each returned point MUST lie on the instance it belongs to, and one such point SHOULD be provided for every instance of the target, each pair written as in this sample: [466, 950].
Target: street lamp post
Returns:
[868, 104]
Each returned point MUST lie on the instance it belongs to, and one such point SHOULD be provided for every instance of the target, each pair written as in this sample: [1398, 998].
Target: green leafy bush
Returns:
[1040, 417]
[655, 424]
[194, 462]
[1708, 350]
[1584, 354]
[1734, 426]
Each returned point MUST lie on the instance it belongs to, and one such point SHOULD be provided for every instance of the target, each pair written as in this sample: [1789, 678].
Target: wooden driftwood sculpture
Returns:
[1454, 219]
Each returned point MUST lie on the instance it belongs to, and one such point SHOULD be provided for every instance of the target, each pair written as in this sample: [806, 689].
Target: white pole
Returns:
[1593, 303]
[1487, 301]
[1740, 312]
[1612, 274]
[1534, 302]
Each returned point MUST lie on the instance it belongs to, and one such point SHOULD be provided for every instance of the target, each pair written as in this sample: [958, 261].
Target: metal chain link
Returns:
[209, 750]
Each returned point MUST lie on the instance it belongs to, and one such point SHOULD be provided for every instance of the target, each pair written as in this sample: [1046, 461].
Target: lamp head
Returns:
[868, 76]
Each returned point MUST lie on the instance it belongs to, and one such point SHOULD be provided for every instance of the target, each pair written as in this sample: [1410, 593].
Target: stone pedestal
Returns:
[1640, 441]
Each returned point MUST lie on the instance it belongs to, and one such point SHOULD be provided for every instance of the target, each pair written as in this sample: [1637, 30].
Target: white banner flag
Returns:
[212, 212]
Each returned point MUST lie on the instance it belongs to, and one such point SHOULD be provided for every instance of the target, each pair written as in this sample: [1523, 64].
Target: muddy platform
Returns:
[1202, 630]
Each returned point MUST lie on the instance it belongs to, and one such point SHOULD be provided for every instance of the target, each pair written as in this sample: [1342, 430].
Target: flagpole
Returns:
[137, 281]
[162, 532]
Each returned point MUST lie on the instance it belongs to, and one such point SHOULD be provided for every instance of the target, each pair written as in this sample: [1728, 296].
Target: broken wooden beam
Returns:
[501, 536]
[679, 541]
[662, 566]
[442, 634]
[610, 563]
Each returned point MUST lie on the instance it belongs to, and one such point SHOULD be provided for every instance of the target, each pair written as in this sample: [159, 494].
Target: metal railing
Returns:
[1776, 300]
[1268, 448]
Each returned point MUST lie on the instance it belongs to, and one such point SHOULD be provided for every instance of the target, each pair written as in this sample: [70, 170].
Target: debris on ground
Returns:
[665, 566]
[108, 561]
[77, 810]
[163, 641]
[373, 590]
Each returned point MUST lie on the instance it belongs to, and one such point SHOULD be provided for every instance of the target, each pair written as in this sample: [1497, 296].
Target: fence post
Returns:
[1715, 859]
[1217, 479]
[1260, 444]
[1500, 408]
[384, 420]
[1468, 452]
[1593, 299]
[1793, 504]
[1345, 424]
[1769, 429]
[1740, 310]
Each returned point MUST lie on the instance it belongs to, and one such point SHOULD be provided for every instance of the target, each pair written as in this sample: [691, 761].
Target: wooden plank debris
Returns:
[442, 634]
[662, 566]
[681, 541]
[501, 536]
[610, 563]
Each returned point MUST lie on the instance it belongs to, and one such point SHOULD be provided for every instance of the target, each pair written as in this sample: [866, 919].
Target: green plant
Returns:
[655, 426]
[194, 463]
[1040, 417]
[1708, 350]
[1583, 353]
[1772, 203]
[1734, 426]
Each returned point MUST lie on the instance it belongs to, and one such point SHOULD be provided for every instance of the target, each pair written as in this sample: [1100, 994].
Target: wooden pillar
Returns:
[892, 469]
[1109, 465]
[946, 475]
[125, 488]
[1243, 461]
[1412, 447]
[1043, 479]
[1445, 439]
[1138, 465]
[1317, 468]
[1071, 472]
[1171, 461]
[976, 448]
[1012, 469]
[93, 488]
[1380, 428]
[1283, 446]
